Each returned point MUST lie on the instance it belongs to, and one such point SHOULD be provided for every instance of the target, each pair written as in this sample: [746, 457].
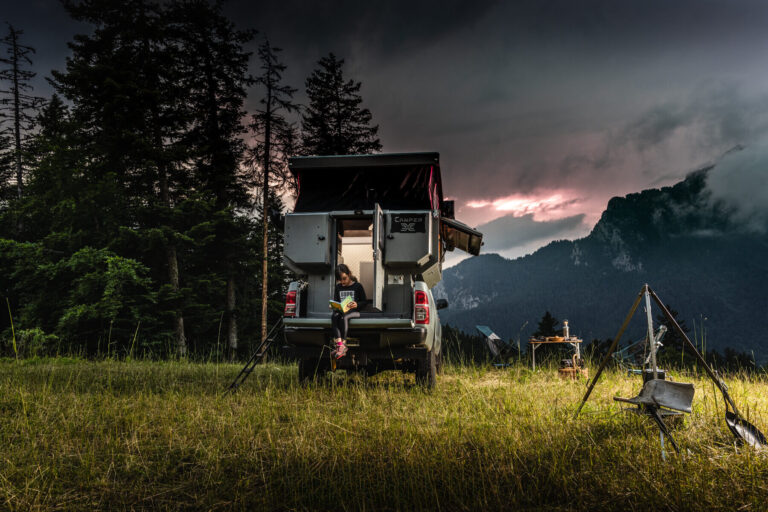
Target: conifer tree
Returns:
[17, 105]
[275, 137]
[215, 75]
[334, 123]
[547, 325]
[124, 85]
[54, 185]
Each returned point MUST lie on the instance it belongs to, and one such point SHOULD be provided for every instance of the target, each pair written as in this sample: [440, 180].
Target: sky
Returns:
[541, 110]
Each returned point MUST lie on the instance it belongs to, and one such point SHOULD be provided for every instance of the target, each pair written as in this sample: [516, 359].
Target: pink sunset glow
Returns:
[550, 207]
[547, 206]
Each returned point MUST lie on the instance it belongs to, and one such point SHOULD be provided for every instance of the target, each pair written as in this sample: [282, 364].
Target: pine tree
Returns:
[18, 105]
[128, 99]
[334, 123]
[215, 75]
[52, 203]
[547, 325]
[275, 138]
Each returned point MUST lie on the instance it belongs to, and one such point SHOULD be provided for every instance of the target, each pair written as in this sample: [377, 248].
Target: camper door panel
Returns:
[409, 237]
[308, 240]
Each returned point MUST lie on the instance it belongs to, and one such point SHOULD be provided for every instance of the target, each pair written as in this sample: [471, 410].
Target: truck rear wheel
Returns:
[426, 371]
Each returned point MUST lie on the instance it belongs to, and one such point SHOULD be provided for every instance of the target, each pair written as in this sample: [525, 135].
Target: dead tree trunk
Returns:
[17, 119]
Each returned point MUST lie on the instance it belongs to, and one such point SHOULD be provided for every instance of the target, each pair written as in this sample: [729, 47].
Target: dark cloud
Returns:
[719, 117]
[740, 180]
[509, 232]
[656, 126]
[383, 28]
[601, 98]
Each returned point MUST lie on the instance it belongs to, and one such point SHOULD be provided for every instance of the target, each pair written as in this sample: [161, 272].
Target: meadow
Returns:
[138, 435]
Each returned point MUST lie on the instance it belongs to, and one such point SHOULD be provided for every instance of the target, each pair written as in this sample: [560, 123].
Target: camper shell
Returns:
[384, 216]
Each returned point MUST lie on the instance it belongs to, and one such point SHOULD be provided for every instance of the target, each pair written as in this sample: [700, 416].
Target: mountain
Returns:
[692, 249]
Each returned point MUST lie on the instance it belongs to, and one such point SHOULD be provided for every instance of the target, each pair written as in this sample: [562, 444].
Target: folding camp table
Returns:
[554, 340]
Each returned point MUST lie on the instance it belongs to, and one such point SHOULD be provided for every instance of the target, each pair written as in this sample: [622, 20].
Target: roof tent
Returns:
[396, 181]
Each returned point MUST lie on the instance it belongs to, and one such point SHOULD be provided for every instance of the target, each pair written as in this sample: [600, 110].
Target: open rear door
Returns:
[458, 235]
[378, 257]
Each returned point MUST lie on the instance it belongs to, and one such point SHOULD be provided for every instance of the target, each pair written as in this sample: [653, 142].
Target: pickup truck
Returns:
[390, 225]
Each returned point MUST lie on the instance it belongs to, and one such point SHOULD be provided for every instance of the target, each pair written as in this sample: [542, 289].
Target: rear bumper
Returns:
[356, 358]
[372, 333]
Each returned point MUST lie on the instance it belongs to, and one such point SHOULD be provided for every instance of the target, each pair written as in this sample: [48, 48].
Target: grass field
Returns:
[80, 435]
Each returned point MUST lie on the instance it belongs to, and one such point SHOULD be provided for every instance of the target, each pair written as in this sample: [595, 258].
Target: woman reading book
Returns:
[346, 286]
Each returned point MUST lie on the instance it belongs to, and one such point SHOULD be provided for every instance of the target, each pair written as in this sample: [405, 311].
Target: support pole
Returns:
[650, 337]
[611, 349]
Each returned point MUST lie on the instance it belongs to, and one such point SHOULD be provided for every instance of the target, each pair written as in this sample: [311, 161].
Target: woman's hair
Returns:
[343, 269]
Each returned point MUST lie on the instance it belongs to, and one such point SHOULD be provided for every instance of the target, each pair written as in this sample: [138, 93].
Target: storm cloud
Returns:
[511, 232]
[585, 100]
[740, 181]
[512, 236]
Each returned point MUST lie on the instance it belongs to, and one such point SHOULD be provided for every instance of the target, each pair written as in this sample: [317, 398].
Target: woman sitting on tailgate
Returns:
[346, 286]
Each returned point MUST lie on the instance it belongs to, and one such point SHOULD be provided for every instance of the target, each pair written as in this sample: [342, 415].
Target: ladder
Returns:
[256, 358]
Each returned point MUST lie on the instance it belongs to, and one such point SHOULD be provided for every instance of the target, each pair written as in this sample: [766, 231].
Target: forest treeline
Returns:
[140, 203]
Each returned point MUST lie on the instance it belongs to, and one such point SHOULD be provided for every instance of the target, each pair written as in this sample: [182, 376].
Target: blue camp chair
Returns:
[499, 348]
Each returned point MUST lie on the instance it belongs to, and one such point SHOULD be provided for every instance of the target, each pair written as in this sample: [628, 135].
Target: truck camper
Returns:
[383, 216]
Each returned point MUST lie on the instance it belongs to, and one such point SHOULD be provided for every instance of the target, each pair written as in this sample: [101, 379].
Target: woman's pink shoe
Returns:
[341, 350]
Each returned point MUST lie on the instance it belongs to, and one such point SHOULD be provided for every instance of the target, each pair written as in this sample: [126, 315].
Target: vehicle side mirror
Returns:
[441, 303]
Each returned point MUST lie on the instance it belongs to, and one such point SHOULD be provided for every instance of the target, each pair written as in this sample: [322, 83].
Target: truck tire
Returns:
[426, 371]
[310, 370]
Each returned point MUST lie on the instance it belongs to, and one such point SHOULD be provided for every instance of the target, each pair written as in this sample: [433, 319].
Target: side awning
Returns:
[458, 235]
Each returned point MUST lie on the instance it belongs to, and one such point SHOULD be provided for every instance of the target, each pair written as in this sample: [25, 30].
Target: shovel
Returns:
[742, 429]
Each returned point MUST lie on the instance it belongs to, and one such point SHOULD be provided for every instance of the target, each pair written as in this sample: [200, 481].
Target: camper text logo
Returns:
[409, 224]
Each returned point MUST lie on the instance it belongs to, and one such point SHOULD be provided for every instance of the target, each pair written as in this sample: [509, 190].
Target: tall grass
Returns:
[80, 435]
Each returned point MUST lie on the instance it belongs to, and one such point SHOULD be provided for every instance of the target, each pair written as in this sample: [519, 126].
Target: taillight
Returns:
[290, 304]
[420, 307]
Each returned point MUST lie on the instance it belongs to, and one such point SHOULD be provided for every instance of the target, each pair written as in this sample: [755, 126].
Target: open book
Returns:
[342, 306]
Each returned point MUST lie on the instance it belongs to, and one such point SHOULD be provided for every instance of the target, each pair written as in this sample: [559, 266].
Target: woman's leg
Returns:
[339, 329]
[337, 324]
[345, 324]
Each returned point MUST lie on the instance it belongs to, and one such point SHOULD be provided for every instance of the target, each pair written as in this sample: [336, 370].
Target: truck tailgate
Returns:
[355, 323]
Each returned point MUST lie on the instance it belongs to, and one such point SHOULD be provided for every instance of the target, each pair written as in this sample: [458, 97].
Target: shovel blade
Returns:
[745, 431]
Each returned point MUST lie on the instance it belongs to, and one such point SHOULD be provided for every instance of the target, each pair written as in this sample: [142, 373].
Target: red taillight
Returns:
[421, 307]
[290, 304]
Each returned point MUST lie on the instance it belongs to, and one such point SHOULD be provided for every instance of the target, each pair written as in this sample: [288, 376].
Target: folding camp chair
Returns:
[499, 348]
